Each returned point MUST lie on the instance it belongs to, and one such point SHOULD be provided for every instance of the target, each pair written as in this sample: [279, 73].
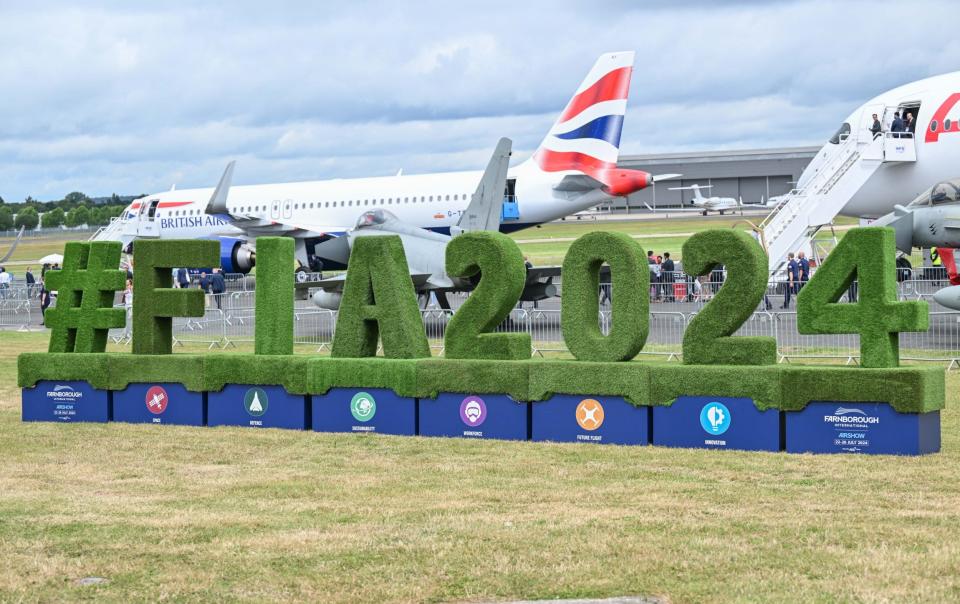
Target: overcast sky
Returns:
[135, 97]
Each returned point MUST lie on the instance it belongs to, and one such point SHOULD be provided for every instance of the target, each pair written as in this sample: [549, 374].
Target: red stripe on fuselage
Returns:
[163, 204]
[939, 116]
[612, 87]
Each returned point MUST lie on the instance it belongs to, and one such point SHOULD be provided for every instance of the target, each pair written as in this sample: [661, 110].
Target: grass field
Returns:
[218, 514]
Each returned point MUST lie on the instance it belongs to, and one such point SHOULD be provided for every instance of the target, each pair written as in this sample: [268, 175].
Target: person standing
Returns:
[666, 271]
[793, 280]
[804, 269]
[910, 125]
[128, 306]
[204, 285]
[31, 281]
[183, 278]
[897, 126]
[5, 279]
[44, 303]
[876, 128]
[217, 285]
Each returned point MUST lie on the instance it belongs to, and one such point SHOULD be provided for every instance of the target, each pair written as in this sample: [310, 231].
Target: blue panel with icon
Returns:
[877, 428]
[376, 410]
[591, 419]
[167, 403]
[716, 423]
[258, 407]
[473, 416]
[65, 402]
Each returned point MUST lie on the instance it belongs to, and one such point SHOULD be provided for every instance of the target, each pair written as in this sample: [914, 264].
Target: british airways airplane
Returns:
[574, 168]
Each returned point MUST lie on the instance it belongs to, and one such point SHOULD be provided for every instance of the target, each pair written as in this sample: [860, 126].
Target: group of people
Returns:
[798, 273]
[904, 127]
[34, 287]
[213, 284]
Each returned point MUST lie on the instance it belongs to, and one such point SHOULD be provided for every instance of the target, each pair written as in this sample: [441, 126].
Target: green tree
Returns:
[99, 216]
[76, 198]
[27, 217]
[78, 216]
[6, 219]
[52, 219]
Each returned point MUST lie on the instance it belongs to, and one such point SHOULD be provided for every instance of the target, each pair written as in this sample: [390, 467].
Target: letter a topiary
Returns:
[274, 324]
[379, 302]
[630, 300]
[868, 255]
[156, 302]
[502, 276]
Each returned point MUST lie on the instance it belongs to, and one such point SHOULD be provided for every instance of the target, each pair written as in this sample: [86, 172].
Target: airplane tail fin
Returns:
[483, 213]
[586, 137]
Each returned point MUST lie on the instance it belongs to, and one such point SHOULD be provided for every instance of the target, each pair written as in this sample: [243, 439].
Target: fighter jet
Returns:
[426, 250]
[932, 220]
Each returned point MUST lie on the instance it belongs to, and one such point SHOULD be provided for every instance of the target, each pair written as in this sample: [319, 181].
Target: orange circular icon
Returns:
[590, 414]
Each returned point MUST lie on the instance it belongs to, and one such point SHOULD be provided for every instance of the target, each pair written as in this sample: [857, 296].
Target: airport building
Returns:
[750, 174]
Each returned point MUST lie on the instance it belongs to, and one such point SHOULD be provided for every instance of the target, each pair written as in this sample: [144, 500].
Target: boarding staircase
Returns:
[110, 232]
[841, 173]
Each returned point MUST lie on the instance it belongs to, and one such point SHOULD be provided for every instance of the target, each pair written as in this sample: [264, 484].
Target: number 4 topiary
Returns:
[869, 256]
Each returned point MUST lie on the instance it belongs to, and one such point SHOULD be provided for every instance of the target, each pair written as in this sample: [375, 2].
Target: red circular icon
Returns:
[157, 400]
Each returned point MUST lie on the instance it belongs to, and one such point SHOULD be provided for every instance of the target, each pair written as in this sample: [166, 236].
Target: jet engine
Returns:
[236, 255]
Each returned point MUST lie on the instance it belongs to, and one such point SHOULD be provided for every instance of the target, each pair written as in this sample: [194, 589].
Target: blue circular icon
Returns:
[715, 418]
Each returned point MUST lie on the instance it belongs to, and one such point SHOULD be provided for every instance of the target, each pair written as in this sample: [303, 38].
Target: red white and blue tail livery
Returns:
[586, 137]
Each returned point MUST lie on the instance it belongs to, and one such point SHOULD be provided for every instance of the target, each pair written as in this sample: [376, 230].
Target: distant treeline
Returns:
[76, 209]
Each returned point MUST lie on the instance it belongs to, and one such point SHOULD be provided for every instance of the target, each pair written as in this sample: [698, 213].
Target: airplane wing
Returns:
[255, 226]
[335, 283]
[14, 246]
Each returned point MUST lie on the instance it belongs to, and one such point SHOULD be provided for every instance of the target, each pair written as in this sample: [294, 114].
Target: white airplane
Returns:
[708, 204]
[574, 168]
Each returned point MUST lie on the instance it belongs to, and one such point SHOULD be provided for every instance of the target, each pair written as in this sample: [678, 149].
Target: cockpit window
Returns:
[944, 192]
[842, 133]
[373, 218]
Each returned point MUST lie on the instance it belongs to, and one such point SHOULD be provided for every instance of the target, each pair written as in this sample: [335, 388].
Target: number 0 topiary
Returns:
[630, 300]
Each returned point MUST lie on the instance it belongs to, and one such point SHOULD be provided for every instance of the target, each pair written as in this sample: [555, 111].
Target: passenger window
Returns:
[933, 126]
[946, 124]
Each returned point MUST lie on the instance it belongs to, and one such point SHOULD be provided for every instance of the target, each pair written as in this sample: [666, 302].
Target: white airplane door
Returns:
[147, 219]
[275, 209]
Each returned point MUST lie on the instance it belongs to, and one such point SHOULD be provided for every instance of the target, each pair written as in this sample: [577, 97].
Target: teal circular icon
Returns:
[715, 418]
[255, 401]
[363, 407]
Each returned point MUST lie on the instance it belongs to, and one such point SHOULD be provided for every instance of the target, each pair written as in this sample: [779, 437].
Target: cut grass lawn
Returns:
[238, 514]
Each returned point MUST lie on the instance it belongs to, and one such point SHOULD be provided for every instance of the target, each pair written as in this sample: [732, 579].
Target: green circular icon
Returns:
[256, 402]
[363, 407]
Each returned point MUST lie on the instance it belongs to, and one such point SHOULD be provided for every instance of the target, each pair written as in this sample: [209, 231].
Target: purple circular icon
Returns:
[473, 411]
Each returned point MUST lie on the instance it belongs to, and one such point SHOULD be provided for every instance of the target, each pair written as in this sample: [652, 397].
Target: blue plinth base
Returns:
[166, 403]
[873, 428]
[598, 419]
[716, 423]
[362, 411]
[65, 402]
[258, 407]
[474, 416]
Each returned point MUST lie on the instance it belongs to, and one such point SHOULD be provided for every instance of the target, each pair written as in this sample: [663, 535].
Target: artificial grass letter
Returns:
[503, 275]
[155, 302]
[869, 256]
[274, 318]
[379, 303]
[630, 301]
[708, 339]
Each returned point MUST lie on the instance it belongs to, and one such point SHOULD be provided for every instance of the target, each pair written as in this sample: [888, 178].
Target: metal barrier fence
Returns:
[233, 323]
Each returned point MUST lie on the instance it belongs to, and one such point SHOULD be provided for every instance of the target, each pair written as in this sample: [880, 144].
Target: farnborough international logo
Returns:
[64, 394]
[157, 400]
[843, 415]
[715, 418]
[363, 407]
[256, 402]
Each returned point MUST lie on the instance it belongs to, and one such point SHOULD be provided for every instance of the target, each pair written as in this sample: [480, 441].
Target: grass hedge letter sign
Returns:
[728, 392]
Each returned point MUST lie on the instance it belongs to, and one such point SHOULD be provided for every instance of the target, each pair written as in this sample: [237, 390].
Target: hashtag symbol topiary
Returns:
[86, 287]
